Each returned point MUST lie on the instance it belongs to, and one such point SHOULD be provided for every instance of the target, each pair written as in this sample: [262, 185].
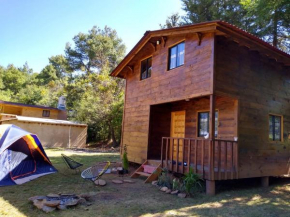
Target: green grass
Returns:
[239, 198]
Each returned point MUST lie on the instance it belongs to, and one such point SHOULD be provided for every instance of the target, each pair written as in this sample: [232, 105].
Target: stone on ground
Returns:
[82, 201]
[62, 207]
[48, 209]
[88, 195]
[163, 189]
[100, 182]
[128, 181]
[38, 203]
[52, 195]
[71, 202]
[52, 203]
[174, 192]
[115, 181]
[68, 195]
[154, 182]
[168, 191]
[181, 195]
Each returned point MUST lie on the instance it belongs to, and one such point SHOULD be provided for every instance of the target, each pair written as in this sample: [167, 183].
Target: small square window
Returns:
[275, 127]
[203, 124]
[146, 67]
[45, 113]
[176, 56]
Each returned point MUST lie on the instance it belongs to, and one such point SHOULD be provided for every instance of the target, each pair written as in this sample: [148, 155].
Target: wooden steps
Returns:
[154, 168]
[143, 174]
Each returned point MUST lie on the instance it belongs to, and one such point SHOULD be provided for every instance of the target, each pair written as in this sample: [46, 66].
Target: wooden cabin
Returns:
[209, 96]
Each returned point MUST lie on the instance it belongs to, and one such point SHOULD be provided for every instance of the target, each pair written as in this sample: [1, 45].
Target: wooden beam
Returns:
[131, 68]
[265, 181]
[211, 136]
[212, 117]
[210, 187]
[200, 36]
[163, 40]
[153, 45]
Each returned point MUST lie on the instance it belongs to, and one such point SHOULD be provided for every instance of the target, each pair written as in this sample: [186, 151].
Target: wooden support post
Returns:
[212, 117]
[210, 187]
[211, 136]
[265, 181]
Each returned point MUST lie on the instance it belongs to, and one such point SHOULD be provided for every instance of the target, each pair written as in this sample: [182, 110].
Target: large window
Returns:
[275, 127]
[146, 66]
[176, 56]
[203, 124]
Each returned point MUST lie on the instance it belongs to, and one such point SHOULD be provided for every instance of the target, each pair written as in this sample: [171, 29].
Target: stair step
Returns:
[143, 174]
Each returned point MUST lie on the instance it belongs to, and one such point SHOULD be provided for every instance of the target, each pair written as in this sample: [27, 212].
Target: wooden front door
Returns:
[177, 130]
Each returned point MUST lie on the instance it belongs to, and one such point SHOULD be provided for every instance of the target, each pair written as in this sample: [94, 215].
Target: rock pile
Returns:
[169, 191]
[52, 202]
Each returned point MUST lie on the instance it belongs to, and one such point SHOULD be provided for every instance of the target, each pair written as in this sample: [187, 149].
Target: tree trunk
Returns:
[115, 143]
[275, 29]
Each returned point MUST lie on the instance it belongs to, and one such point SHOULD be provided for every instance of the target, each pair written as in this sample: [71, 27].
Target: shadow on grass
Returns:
[235, 198]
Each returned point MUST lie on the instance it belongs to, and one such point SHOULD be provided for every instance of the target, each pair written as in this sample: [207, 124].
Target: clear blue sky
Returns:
[34, 30]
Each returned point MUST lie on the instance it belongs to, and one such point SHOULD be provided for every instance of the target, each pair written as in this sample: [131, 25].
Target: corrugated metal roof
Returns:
[44, 120]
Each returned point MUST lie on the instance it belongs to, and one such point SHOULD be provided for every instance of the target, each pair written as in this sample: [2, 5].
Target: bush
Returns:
[125, 159]
[165, 179]
[177, 185]
[192, 182]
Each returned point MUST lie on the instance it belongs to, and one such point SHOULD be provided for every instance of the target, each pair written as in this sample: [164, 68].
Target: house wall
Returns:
[32, 112]
[190, 80]
[11, 110]
[37, 113]
[55, 135]
[262, 87]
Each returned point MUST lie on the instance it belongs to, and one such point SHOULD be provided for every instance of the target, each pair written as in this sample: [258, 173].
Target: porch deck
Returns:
[212, 159]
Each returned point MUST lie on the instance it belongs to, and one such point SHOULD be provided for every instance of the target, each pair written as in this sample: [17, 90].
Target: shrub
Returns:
[165, 179]
[177, 185]
[125, 159]
[192, 182]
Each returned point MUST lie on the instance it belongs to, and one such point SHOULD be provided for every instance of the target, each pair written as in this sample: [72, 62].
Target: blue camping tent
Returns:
[22, 157]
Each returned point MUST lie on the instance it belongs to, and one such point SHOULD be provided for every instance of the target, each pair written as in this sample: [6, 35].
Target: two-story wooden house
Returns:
[208, 96]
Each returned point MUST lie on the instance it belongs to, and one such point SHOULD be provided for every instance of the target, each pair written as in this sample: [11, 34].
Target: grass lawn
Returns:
[239, 198]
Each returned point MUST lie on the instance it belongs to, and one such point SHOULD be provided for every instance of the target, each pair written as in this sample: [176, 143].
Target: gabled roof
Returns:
[219, 28]
[27, 105]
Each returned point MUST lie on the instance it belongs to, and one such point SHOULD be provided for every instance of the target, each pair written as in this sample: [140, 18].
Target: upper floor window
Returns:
[146, 66]
[203, 124]
[275, 127]
[176, 56]
[45, 113]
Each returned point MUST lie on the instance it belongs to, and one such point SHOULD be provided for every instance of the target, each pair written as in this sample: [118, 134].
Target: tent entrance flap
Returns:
[21, 159]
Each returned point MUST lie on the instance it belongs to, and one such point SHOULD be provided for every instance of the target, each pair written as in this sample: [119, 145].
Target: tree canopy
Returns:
[269, 20]
[82, 76]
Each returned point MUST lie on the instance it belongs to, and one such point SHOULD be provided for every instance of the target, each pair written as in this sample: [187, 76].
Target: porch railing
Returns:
[212, 159]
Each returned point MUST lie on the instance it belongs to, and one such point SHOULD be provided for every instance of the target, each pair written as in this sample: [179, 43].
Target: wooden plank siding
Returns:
[262, 86]
[190, 80]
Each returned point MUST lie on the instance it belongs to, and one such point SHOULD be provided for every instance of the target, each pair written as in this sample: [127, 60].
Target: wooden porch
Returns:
[212, 159]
